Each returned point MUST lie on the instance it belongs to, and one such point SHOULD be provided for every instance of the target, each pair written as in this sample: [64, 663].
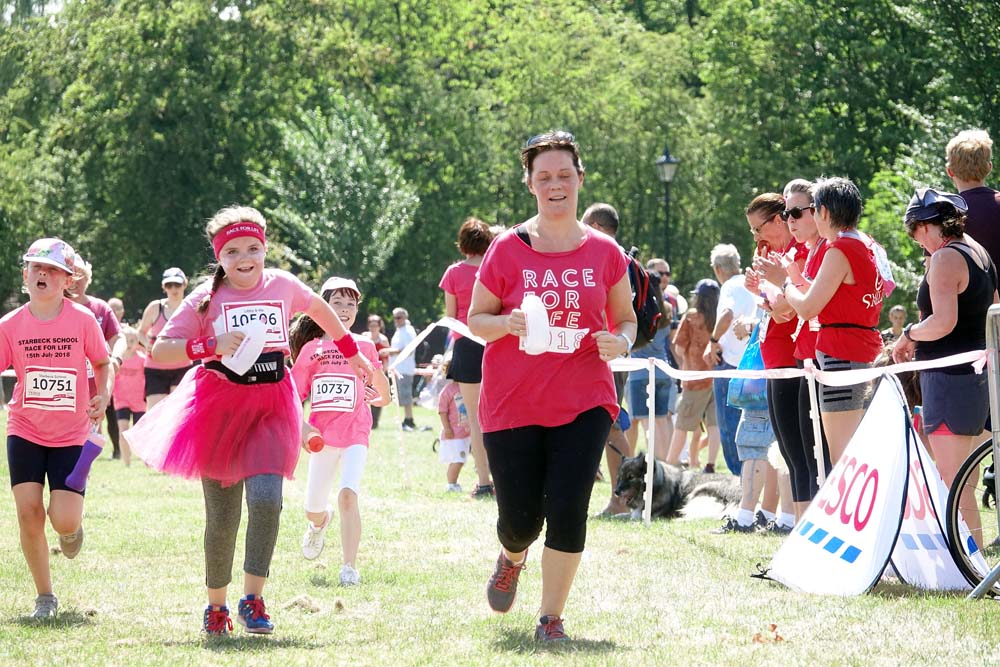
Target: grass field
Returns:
[672, 594]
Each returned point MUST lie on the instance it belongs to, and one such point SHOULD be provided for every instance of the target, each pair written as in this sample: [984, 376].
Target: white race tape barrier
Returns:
[829, 378]
[448, 323]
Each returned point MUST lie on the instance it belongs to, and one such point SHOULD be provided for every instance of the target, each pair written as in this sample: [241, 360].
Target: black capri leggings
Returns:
[546, 473]
[788, 407]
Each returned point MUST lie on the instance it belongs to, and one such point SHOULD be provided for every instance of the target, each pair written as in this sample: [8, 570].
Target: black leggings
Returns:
[788, 407]
[546, 473]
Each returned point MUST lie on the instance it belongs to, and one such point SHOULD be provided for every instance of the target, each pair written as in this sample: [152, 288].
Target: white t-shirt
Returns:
[401, 339]
[736, 298]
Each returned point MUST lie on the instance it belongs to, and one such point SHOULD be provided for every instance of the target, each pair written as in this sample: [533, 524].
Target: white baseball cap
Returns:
[54, 252]
[173, 275]
[336, 283]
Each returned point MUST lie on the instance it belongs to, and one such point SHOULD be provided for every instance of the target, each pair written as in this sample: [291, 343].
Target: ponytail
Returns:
[301, 332]
[217, 279]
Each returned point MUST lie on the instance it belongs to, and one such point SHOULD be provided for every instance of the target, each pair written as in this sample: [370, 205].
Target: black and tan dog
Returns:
[673, 487]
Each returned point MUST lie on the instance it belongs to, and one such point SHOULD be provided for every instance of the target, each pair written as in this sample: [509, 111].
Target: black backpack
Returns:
[647, 302]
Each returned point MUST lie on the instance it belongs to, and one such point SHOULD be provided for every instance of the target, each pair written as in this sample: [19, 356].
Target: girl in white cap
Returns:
[49, 341]
[340, 423]
[236, 427]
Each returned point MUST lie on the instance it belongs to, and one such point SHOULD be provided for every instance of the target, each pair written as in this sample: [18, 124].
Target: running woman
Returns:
[162, 377]
[234, 430]
[340, 416]
[49, 341]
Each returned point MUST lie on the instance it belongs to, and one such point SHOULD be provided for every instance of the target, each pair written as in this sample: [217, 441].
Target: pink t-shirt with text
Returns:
[450, 403]
[336, 395]
[553, 388]
[274, 300]
[130, 383]
[49, 405]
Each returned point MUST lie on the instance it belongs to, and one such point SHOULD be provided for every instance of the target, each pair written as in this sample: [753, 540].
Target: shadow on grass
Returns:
[323, 581]
[245, 642]
[518, 641]
[65, 619]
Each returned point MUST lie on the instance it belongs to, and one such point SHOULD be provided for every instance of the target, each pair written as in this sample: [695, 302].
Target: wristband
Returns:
[118, 360]
[713, 339]
[906, 332]
[628, 341]
[200, 347]
[347, 346]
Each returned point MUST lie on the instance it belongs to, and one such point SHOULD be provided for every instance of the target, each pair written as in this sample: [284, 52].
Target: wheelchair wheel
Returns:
[976, 552]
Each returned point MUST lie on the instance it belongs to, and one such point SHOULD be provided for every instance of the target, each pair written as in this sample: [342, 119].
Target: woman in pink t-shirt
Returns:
[466, 368]
[340, 416]
[50, 341]
[229, 429]
[545, 418]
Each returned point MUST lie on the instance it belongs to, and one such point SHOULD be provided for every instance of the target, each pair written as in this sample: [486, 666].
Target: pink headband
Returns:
[234, 231]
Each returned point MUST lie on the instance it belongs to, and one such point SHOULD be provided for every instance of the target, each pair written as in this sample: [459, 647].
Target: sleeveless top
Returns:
[152, 333]
[849, 321]
[970, 327]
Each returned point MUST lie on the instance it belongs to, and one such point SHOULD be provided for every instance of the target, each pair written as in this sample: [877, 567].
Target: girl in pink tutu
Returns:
[340, 416]
[233, 430]
[49, 341]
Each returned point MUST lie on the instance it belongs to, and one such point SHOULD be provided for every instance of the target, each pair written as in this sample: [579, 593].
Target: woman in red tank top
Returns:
[846, 296]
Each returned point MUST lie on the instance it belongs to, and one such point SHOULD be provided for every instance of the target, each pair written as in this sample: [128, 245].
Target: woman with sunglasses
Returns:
[545, 418]
[796, 439]
[162, 377]
[846, 297]
[958, 289]
[765, 217]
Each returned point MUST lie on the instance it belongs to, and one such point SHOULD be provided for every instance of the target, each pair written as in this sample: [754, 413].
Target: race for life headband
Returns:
[234, 231]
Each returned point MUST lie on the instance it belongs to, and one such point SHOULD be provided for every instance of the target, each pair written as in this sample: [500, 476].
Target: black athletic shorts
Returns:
[126, 414]
[161, 380]
[466, 361]
[29, 462]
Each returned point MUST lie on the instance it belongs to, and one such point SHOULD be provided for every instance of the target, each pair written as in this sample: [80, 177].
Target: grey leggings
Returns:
[222, 521]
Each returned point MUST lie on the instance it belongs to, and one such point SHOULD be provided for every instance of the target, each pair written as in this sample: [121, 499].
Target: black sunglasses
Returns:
[557, 137]
[796, 212]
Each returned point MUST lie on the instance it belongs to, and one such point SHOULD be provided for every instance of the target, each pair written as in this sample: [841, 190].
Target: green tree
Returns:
[341, 206]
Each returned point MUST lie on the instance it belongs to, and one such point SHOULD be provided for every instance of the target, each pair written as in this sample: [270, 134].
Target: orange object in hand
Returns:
[315, 443]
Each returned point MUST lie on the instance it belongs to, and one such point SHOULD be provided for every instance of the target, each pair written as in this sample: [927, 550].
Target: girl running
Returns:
[130, 386]
[340, 416]
[49, 341]
[236, 430]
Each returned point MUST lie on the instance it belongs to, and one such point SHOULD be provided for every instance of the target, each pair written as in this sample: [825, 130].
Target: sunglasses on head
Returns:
[557, 137]
[796, 212]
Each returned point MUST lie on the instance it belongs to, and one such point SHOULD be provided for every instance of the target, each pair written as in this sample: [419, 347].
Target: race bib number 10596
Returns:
[237, 315]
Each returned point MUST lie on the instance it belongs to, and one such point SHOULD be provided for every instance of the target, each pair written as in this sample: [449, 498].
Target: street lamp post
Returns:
[666, 168]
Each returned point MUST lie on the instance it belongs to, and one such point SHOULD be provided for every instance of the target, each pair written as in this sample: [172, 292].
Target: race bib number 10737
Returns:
[333, 392]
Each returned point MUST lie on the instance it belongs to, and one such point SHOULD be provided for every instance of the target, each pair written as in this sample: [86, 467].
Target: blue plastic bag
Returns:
[749, 394]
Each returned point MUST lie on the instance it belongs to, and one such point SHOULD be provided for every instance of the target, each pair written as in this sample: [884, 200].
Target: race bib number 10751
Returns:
[50, 388]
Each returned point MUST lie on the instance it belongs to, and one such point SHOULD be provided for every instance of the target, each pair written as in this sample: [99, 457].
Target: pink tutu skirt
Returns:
[212, 428]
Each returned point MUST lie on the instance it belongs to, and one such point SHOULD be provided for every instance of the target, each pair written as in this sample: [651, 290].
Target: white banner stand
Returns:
[881, 500]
